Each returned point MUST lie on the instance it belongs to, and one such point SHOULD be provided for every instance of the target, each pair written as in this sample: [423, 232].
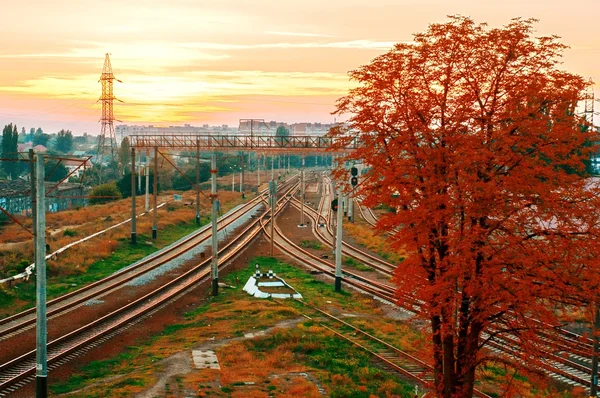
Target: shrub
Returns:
[69, 232]
[105, 192]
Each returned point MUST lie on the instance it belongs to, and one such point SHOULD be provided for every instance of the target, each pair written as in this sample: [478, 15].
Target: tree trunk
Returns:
[438, 367]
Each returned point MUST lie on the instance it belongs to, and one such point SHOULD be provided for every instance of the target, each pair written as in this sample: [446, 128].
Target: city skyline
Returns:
[198, 63]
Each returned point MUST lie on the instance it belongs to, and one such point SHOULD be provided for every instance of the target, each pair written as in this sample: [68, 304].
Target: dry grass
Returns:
[366, 237]
[91, 219]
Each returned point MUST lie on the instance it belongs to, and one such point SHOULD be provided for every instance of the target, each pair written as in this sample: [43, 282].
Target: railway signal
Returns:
[354, 171]
[334, 205]
[354, 181]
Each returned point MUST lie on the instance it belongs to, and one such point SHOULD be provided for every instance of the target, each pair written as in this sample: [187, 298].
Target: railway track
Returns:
[326, 236]
[392, 357]
[565, 354]
[17, 372]
[12, 325]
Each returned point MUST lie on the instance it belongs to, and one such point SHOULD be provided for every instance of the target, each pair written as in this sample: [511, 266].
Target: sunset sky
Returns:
[197, 62]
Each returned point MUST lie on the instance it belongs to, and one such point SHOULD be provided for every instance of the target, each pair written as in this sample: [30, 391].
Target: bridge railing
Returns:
[294, 143]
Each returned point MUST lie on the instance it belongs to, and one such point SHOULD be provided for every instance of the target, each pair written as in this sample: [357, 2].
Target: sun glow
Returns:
[188, 62]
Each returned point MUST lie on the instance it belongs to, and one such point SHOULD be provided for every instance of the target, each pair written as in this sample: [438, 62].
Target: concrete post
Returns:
[139, 187]
[133, 220]
[155, 196]
[338, 245]
[147, 196]
[198, 182]
[242, 190]
[596, 329]
[273, 201]
[302, 194]
[215, 238]
[41, 372]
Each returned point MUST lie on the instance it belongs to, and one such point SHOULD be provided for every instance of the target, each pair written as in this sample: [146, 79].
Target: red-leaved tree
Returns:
[471, 135]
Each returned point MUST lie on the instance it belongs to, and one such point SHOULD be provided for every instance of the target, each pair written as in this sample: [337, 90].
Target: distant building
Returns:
[15, 197]
[76, 166]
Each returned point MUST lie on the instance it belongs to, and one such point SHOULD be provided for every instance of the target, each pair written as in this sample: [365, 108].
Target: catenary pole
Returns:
[302, 194]
[147, 196]
[596, 330]
[133, 225]
[155, 196]
[41, 368]
[198, 182]
[215, 238]
[338, 244]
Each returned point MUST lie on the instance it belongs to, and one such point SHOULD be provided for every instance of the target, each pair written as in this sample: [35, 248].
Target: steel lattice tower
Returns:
[588, 111]
[108, 129]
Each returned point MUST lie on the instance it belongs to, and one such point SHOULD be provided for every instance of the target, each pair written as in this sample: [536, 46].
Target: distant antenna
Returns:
[588, 107]
[108, 129]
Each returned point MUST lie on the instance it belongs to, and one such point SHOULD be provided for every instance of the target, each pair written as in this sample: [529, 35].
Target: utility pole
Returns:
[258, 173]
[242, 176]
[41, 368]
[338, 245]
[147, 171]
[273, 201]
[155, 196]
[133, 229]
[302, 194]
[197, 182]
[233, 181]
[596, 330]
[139, 187]
[215, 240]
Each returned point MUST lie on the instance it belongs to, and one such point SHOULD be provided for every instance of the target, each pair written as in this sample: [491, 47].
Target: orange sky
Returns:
[191, 61]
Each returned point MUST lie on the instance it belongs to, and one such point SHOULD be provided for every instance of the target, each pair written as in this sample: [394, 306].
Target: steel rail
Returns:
[416, 369]
[24, 366]
[111, 281]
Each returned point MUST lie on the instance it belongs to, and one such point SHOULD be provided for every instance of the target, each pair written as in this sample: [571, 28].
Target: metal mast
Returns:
[107, 97]
[588, 112]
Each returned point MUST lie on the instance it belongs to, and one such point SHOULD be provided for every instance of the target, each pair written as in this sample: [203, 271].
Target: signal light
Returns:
[334, 205]
[354, 171]
[354, 181]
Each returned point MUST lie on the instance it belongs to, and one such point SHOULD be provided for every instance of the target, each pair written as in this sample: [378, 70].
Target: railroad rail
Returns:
[564, 352]
[14, 324]
[18, 371]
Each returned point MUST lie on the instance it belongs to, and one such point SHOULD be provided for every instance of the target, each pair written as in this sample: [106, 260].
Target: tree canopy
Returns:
[469, 132]
[124, 154]
[64, 141]
[10, 138]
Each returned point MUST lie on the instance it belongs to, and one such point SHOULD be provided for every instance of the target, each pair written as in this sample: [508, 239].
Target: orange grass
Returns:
[366, 237]
[88, 220]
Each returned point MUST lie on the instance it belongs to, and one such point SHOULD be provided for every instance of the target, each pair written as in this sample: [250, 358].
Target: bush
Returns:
[105, 192]
[69, 232]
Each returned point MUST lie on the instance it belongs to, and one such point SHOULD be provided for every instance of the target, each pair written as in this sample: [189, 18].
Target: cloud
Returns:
[299, 34]
[351, 44]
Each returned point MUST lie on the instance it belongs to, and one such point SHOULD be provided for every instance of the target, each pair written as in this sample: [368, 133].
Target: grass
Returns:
[311, 244]
[274, 362]
[366, 237]
[99, 257]
[232, 314]
[350, 262]
[124, 254]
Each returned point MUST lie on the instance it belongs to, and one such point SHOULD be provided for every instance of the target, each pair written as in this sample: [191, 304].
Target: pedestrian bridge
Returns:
[253, 143]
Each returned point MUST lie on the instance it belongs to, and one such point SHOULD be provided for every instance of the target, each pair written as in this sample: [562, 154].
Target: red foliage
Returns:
[471, 135]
